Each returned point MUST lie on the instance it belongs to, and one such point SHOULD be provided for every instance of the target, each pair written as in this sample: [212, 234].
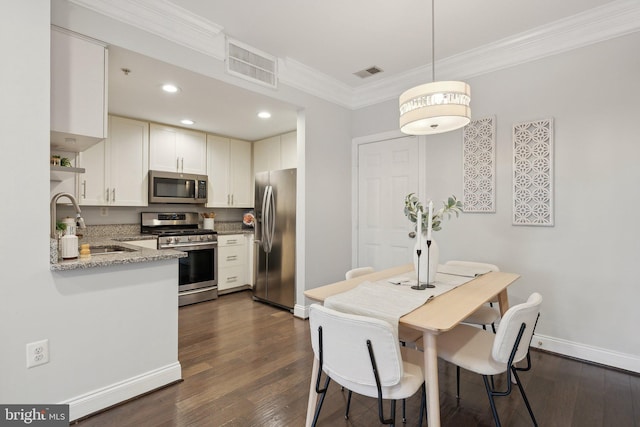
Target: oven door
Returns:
[198, 274]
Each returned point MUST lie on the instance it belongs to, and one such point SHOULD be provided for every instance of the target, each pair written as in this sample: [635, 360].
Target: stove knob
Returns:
[210, 237]
[189, 238]
[203, 238]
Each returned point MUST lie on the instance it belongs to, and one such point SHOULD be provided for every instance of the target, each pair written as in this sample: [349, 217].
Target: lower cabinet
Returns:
[233, 263]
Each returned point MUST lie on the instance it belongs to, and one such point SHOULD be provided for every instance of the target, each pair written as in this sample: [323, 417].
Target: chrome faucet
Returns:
[54, 201]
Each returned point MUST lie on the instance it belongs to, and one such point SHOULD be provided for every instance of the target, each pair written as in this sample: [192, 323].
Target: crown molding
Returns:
[173, 23]
[164, 19]
[613, 20]
[309, 80]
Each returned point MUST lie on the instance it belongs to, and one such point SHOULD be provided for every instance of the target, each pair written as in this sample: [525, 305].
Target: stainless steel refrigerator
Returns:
[275, 238]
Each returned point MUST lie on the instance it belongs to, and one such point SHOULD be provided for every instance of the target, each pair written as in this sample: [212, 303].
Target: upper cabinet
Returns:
[277, 152]
[177, 150]
[229, 171]
[116, 169]
[78, 91]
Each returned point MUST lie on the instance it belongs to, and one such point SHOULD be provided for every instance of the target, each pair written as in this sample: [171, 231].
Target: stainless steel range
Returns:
[198, 272]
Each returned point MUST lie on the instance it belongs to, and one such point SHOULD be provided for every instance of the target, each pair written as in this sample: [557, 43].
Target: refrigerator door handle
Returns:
[264, 219]
[272, 217]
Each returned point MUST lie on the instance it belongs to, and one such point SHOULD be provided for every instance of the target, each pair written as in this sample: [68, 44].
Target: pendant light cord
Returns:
[433, 42]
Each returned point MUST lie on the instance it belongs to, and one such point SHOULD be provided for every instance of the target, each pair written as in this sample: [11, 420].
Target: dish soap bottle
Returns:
[69, 244]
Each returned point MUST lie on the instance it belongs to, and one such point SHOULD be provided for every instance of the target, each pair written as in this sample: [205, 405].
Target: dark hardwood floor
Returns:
[245, 364]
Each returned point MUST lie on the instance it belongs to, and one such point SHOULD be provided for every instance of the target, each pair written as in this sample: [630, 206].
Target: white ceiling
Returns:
[331, 39]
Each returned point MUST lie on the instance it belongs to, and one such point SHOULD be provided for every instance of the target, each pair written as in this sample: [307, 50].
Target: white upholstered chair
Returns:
[362, 354]
[360, 271]
[486, 314]
[491, 354]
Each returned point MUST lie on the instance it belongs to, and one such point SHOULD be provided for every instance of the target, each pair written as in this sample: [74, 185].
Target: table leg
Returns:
[313, 396]
[431, 377]
[503, 301]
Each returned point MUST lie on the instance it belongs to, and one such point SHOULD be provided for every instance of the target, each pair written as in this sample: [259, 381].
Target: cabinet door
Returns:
[163, 141]
[78, 94]
[266, 154]
[289, 150]
[218, 171]
[128, 160]
[93, 183]
[240, 174]
[192, 151]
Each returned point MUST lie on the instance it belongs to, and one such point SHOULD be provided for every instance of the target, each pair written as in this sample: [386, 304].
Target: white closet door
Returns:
[387, 172]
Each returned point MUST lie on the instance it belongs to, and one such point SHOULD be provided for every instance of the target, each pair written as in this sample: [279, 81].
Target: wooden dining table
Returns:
[440, 314]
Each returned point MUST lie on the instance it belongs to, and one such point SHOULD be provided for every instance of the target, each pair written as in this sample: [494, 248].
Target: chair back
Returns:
[360, 271]
[344, 347]
[473, 264]
[509, 329]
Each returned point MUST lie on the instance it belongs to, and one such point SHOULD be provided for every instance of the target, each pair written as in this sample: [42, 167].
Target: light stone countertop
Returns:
[123, 234]
[140, 254]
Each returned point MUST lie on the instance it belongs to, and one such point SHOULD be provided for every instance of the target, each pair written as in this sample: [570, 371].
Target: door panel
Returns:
[387, 172]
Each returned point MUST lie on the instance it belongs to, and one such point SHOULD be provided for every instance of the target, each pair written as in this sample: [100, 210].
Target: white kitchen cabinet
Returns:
[232, 262]
[229, 171]
[78, 91]
[116, 168]
[289, 150]
[177, 150]
[277, 152]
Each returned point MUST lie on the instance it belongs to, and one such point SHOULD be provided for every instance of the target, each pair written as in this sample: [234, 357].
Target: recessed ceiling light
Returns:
[187, 122]
[170, 88]
[264, 114]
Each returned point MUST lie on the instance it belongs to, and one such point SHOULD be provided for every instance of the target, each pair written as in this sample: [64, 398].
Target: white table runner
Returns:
[391, 299]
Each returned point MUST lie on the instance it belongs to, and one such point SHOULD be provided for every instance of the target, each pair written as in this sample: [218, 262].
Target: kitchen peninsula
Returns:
[122, 309]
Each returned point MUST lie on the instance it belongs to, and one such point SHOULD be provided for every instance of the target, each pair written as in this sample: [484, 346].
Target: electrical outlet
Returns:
[104, 211]
[37, 353]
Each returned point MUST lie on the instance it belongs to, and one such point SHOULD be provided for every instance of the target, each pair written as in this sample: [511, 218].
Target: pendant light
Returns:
[435, 107]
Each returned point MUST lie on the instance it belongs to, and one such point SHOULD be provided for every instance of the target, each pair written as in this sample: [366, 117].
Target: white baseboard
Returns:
[628, 362]
[301, 311]
[113, 394]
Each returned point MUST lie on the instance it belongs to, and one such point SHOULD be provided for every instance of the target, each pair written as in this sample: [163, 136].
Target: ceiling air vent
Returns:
[250, 64]
[368, 72]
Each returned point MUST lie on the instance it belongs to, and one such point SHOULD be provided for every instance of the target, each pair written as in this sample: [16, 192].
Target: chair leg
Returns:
[404, 411]
[493, 327]
[324, 393]
[524, 396]
[423, 403]
[346, 413]
[393, 413]
[457, 382]
[491, 402]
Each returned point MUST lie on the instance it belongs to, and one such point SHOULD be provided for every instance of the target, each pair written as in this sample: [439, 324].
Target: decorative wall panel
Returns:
[533, 173]
[478, 166]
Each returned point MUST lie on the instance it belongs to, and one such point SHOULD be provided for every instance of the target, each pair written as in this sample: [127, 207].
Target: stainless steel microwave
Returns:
[174, 187]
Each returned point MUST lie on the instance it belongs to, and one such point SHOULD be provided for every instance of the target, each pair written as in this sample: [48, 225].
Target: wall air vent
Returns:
[368, 72]
[250, 64]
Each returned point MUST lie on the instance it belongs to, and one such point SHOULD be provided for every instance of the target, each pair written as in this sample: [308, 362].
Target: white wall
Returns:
[99, 332]
[584, 265]
[34, 305]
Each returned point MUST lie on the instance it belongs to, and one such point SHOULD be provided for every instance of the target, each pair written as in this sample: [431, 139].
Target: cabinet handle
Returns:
[232, 279]
[232, 200]
[232, 257]
[178, 164]
[107, 195]
[113, 195]
[232, 242]
[228, 199]
[182, 167]
[84, 189]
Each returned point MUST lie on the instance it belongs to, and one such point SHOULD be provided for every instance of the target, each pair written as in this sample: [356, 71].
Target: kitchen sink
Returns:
[109, 249]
